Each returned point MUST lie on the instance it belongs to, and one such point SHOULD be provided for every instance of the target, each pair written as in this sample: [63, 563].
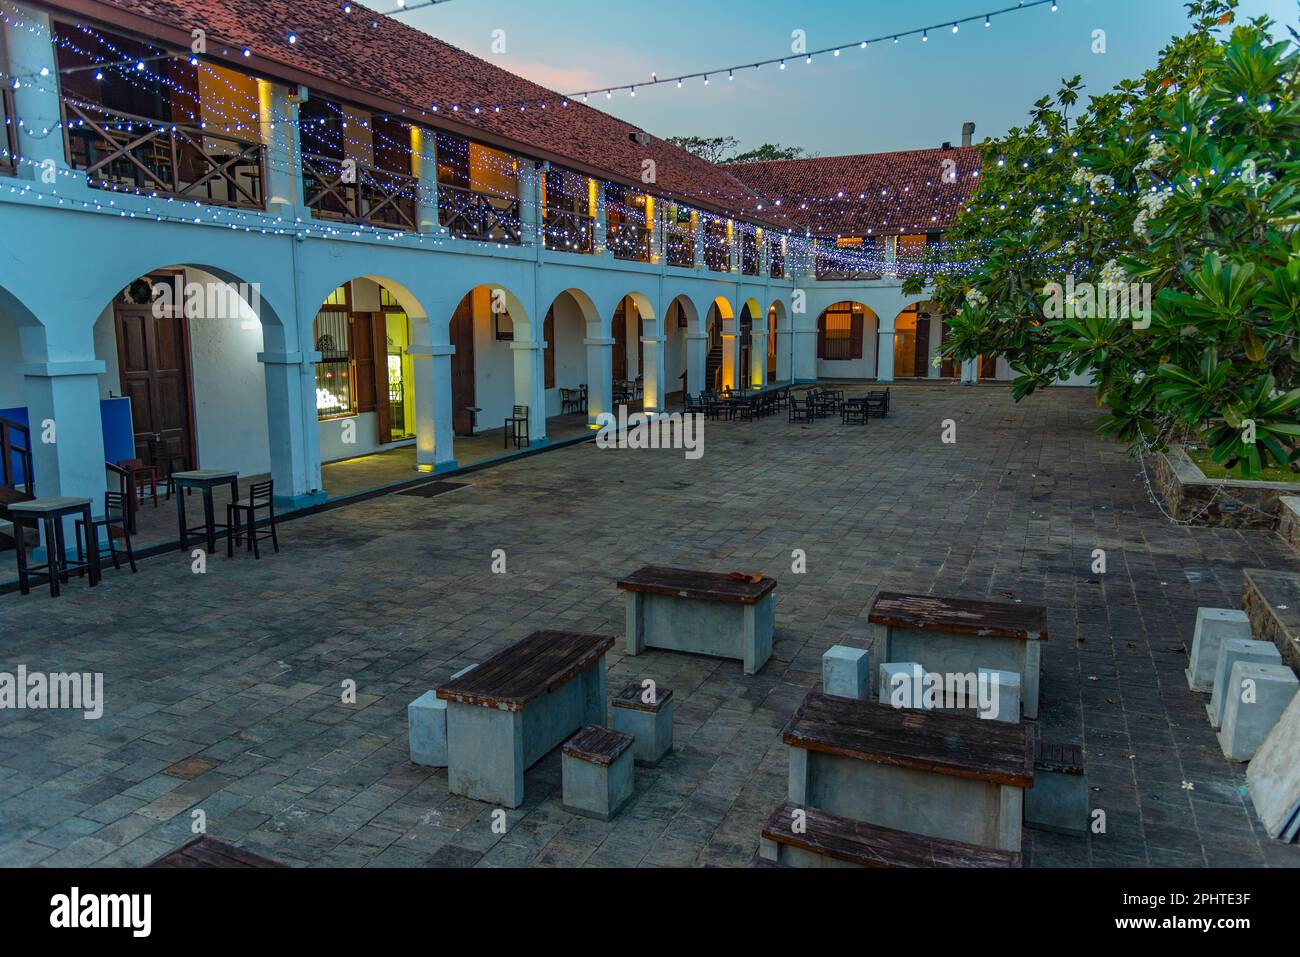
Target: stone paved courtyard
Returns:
[224, 689]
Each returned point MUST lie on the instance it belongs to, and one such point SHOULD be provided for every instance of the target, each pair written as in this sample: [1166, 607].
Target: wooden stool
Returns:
[596, 766]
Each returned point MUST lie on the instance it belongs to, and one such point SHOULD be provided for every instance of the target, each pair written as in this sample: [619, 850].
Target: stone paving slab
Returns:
[225, 690]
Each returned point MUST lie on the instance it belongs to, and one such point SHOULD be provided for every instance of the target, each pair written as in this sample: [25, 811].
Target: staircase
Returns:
[17, 477]
[713, 368]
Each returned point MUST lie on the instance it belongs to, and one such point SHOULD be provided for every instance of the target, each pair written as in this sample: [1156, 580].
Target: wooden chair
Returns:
[165, 460]
[853, 412]
[570, 401]
[878, 404]
[801, 410]
[261, 495]
[142, 476]
[123, 479]
[516, 428]
[115, 524]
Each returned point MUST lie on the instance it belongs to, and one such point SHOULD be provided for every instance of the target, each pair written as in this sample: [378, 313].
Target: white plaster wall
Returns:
[864, 368]
[494, 373]
[570, 353]
[365, 431]
[11, 383]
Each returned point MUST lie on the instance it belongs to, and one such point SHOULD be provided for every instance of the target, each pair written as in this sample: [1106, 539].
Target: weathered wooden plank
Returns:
[205, 852]
[936, 741]
[870, 845]
[542, 662]
[597, 745]
[630, 697]
[1058, 758]
[967, 616]
[697, 585]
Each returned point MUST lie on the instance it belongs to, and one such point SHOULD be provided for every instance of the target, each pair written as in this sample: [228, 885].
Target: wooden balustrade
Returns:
[470, 214]
[354, 192]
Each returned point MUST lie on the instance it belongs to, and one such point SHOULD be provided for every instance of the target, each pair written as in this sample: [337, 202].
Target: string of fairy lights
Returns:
[344, 133]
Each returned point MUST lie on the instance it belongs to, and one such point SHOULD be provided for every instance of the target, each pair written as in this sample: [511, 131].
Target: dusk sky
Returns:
[889, 96]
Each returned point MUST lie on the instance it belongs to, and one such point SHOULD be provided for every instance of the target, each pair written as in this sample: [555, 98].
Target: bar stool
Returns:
[47, 514]
[115, 523]
[516, 427]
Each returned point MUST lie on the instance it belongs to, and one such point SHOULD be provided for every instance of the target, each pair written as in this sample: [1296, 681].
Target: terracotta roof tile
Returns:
[884, 194]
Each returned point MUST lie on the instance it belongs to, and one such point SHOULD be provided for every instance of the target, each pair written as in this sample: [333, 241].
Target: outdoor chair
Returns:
[853, 412]
[115, 524]
[261, 495]
[878, 404]
[165, 460]
[800, 410]
[123, 479]
[516, 427]
[570, 401]
[141, 476]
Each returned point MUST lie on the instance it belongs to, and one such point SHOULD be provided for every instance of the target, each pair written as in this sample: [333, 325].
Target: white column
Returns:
[784, 346]
[699, 242]
[292, 426]
[528, 190]
[37, 100]
[434, 430]
[730, 357]
[891, 257]
[885, 353]
[424, 166]
[279, 119]
[697, 348]
[600, 378]
[970, 371]
[758, 356]
[600, 239]
[653, 373]
[530, 385]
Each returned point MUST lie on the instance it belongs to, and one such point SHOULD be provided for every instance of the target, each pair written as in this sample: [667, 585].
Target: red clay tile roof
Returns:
[884, 194]
[398, 68]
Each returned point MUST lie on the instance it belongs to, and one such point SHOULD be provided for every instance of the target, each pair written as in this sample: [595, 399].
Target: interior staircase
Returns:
[17, 477]
[713, 367]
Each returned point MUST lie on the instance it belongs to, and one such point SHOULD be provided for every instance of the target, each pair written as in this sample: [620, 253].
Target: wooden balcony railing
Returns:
[680, 246]
[469, 214]
[777, 267]
[569, 231]
[845, 264]
[16, 469]
[717, 256]
[9, 135]
[358, 193]
[119, 151]
[748, 255]
[629, 241]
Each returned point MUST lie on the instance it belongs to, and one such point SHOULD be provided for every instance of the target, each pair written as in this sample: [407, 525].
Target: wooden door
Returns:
[620, 341]
[153, 354]
[921, 368]
[548, 333]
[988, 367]
[462, 367]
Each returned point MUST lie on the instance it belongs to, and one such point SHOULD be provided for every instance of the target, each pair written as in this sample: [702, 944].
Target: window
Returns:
[334, 395]
[839, 331]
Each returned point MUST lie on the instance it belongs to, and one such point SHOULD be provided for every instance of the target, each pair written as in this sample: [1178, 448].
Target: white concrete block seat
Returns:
[963, 635]
[936, 773]
[596, 767]
[517, 706]
[708, 613]
[808, 837]
[646, 713]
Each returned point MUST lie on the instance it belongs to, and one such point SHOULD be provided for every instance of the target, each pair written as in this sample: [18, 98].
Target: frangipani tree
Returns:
[1151, 241]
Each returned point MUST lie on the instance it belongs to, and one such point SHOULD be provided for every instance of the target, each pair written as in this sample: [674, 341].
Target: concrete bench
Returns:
[1213, 625]
[514, 708]
[649, 722]
[596, 766]
[426, 727]
[962, 635]
[1257, 696]
[809, 837]
[1231, 651]
[935, 773]
[1058, 801]
[702, 612]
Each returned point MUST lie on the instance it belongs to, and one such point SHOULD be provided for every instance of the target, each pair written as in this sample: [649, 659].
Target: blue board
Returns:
[115, 417]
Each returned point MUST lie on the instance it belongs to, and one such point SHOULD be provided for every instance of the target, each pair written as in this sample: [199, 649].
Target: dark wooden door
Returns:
[988, 367]
[462, 367]
[921, 368]
[548, 333]
[153, 354]
[620, 341]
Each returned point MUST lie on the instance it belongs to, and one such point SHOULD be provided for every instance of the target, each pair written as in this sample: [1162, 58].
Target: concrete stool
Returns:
[649, 723]
[846, 673]
[1058, 801]
[596, 766]
[426, 721]
[1006, 685]
[1213, 625]
[1230, 652]
[906, 677]
[1247, 723]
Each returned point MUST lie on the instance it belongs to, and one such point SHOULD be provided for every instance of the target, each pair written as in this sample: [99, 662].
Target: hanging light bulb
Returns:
[988, 22]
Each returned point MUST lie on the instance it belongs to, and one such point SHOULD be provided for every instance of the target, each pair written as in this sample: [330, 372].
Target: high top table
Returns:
[506, 714]
[50, 512]
[205, 480]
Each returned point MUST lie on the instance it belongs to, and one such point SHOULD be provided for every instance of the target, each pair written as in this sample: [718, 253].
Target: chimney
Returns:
[946, 145]
[967, 133]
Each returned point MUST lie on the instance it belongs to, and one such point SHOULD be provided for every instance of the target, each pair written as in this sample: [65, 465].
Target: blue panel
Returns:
[115, 416]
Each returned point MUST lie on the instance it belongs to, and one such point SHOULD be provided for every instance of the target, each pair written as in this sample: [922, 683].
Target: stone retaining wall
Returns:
[1185, 491]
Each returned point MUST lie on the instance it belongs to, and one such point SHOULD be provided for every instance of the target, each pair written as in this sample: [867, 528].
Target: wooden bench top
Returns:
[939, 742]
[967, 616]
[528, 669]
[870, 845]
[700, 586]
[205, 852]
[596, 745]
